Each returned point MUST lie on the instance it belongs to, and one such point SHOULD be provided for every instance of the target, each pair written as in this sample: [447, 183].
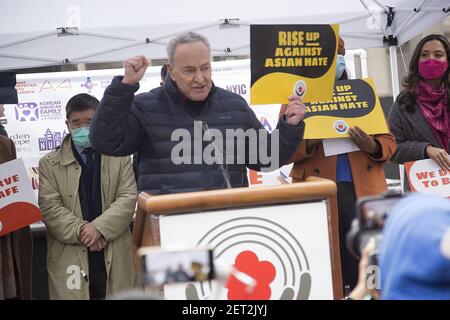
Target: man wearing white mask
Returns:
[88, 202]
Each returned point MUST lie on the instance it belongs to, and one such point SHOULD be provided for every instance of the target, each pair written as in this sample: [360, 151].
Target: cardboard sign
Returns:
[426, 176]
[354, 103]
[18, 204]
[292, 59]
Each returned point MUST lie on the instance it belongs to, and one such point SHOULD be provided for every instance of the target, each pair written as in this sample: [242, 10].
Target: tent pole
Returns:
[394, 71]
[395, 92]
[18, 56]
[37, 37]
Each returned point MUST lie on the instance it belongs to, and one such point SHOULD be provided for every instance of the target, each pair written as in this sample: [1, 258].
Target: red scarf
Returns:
[433, 104]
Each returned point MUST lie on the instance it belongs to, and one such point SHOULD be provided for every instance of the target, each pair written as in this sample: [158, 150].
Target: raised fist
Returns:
[134, 69]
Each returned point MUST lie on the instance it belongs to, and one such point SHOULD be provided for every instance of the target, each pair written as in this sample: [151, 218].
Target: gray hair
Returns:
[187, 37]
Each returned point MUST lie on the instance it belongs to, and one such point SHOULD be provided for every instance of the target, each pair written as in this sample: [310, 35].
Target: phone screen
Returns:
[375, 211]
[165, 267]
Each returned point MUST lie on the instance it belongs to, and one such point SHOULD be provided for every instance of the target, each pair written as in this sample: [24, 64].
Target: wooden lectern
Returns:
[303, 252]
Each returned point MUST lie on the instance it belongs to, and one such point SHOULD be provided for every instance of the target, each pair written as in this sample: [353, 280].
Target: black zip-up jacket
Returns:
[124, 124]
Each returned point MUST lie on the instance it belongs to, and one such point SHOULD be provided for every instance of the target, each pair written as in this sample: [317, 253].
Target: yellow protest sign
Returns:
[292, 59]
[354, 103]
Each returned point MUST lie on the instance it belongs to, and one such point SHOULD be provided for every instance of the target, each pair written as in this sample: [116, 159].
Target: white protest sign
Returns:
[18, 204]
[426, 176]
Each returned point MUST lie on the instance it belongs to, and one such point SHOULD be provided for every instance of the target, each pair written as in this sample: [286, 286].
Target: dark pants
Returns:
[97, 275]
[346, 199]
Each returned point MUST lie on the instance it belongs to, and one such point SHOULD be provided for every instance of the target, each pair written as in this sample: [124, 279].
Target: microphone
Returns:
[219, 154]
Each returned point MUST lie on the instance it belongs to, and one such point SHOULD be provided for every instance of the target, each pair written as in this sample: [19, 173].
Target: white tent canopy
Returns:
[49, 32]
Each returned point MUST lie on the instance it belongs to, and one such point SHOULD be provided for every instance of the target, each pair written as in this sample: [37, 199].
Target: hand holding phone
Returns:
[162, 267]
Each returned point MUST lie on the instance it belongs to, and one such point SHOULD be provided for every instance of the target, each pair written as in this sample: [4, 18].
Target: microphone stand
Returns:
[219, 155]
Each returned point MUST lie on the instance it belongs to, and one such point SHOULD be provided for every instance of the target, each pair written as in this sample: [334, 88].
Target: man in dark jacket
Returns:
[206, 119]
[136, 155]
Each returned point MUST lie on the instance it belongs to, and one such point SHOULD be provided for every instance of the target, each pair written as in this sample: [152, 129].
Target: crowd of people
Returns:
[88, 188]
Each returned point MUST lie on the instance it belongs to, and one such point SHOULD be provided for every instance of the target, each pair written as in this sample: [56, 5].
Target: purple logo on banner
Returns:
[51, 140]
[88, 84]
[27, 111]
[265, 122]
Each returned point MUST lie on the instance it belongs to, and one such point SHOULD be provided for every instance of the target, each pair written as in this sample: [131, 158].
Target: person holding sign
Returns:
[420, 117]
[88, 202]
[357, 174]
[16, 248]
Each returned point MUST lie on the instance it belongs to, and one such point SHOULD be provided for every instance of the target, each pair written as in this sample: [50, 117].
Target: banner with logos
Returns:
[354, 103]
[426, 176]
[292, 59]
[37, 123]
[18, 204]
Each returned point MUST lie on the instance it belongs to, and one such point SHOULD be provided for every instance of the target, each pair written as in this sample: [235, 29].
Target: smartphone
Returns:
[373, 211]
[161, 266]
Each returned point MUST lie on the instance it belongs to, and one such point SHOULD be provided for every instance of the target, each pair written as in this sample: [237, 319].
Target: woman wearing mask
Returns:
[356, 174]
[420, 117]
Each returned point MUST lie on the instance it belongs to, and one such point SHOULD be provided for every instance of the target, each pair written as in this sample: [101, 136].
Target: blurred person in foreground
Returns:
[415, 249]
[414, 256]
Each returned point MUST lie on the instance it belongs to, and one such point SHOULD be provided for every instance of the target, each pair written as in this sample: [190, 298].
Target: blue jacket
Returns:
[124, 124]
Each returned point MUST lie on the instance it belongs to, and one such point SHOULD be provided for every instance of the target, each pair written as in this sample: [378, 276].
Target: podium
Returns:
[288, 228]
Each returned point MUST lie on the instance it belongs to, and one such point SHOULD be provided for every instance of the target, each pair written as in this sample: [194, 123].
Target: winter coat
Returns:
[16, 248]
[124, 124]
[67, 257]
[412, 133]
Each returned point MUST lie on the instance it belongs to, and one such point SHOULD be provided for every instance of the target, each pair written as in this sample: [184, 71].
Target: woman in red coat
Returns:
[15, 248]
[356, 174]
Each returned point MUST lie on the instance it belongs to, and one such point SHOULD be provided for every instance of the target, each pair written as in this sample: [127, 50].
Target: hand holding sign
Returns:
[295, 111]
[439, 155]
[365, 142]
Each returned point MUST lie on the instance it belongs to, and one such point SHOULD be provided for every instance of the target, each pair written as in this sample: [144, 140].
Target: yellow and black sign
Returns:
[354, 103]
[292, 59]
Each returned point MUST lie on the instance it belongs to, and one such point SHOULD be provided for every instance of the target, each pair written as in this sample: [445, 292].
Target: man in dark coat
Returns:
[186, 131]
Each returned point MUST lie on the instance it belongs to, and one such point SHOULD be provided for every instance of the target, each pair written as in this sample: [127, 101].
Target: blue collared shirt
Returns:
[343, 172]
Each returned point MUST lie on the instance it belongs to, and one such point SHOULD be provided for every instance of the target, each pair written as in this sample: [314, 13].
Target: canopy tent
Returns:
[48, 32]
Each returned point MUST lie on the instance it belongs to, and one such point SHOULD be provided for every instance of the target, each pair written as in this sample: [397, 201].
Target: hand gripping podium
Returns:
[285, 237]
